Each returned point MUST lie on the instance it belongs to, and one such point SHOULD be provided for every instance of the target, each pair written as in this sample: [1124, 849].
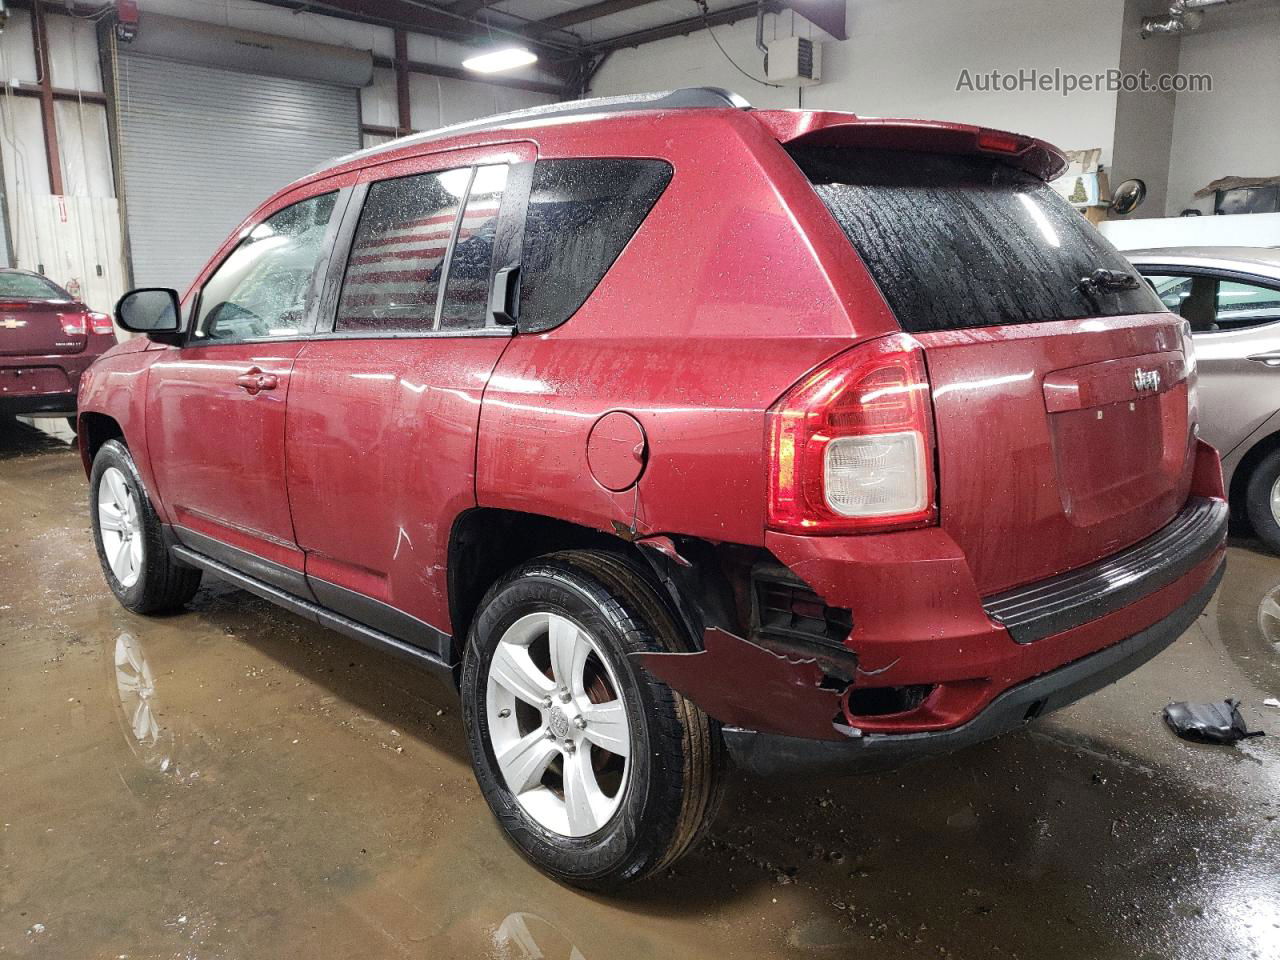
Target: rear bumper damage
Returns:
[930, 666]
[769, 754]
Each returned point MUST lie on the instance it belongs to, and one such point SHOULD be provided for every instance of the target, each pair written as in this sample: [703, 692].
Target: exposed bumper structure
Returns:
[769, 754]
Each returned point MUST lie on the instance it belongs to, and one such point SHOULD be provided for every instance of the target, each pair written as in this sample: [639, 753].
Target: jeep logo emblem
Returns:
[1146, 381]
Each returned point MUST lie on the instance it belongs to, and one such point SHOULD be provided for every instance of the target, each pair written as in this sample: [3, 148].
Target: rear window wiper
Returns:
[1109, 281]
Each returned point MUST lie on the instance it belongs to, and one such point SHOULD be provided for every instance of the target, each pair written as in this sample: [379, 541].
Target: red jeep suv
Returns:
[47, 338]
[669, 429]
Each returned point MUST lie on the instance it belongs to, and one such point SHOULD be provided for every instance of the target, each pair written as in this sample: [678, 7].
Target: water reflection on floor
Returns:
[232, 782]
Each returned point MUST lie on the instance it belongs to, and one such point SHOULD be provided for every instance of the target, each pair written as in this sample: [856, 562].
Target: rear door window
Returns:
[1216, 304]
[465, 305]
[397, 257]
[581, 213]
[1243, 305]
[958, 241]
[422, 253]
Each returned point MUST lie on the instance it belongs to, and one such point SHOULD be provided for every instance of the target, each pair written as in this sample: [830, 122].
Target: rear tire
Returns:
[129, 539]
[666, 788]
[1262, 500]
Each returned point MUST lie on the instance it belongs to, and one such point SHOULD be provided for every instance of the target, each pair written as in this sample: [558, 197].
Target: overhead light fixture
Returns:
[495, 61]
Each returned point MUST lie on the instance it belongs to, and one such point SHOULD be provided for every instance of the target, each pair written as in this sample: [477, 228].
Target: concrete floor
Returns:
[234, 783]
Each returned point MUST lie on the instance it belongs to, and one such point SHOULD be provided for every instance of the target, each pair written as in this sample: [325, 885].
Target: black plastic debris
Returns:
[1217, 722]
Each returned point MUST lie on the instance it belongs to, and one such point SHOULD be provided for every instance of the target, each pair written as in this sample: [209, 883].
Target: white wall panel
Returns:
[378, 101]
[17, 54]
[903, 59]
[83, 149]
[73, 52]
[22, 143]
[1235, 130]
[75, 242]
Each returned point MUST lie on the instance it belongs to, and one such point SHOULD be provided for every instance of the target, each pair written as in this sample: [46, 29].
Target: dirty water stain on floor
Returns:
[232, 782]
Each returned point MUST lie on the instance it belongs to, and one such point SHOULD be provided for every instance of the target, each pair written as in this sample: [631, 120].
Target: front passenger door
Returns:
[217, 404]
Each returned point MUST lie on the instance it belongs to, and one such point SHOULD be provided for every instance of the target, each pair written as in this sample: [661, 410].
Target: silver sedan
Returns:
[1231, 297]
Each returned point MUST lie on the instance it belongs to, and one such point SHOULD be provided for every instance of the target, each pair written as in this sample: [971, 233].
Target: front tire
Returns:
[1262, 500]
[129, 539]
[599, 773]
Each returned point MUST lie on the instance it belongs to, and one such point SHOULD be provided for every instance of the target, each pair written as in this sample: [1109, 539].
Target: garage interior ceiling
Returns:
[568, 31]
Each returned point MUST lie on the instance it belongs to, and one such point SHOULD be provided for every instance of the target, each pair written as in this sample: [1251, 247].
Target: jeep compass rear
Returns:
[668, 429]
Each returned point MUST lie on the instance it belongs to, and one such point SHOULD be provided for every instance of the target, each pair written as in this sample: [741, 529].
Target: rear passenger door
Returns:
[1235, 322]
[385, 399]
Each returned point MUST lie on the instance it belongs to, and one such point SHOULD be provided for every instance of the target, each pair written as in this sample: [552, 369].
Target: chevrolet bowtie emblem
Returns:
[12, 323]
[1146, 381]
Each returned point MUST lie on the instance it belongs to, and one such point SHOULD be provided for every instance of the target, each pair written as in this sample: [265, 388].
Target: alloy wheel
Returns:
[120, 525]
[557, 724]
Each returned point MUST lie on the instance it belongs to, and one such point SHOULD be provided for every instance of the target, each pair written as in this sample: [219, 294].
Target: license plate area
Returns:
[22, 381]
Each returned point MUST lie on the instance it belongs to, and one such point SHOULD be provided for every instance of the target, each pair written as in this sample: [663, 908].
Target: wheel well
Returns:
[486, 543]
[1240, 478]
[95, 429]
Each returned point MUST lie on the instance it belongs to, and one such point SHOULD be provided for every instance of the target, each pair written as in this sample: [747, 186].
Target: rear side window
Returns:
[956, 241]
[581, 214]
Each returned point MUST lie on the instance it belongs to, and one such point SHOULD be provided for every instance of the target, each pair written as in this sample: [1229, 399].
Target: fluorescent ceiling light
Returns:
[508, 58]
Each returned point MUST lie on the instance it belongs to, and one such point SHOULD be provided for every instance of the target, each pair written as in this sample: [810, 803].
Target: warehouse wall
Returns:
[75, 238]
[1144, 121]
[903, 58]
[1232, 131]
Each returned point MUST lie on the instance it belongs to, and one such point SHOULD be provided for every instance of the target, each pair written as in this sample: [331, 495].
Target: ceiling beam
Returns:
[569, 18]
[469, 8]
[422, 17]
[680, 28]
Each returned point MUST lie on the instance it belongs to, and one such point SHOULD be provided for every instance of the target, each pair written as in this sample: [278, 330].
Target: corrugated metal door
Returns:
[201, 147]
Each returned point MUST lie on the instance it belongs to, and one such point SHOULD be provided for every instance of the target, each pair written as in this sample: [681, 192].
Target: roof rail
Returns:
[685, 98]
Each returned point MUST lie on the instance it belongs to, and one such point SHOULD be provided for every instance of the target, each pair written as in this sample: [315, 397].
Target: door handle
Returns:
[1267, 359]
[255, 380]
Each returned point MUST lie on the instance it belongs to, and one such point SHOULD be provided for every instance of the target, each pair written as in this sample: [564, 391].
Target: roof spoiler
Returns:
[827, 128]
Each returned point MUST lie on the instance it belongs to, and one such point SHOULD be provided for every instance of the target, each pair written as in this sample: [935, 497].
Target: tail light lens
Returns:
[100, 324]
[73, 324]
[851, 445]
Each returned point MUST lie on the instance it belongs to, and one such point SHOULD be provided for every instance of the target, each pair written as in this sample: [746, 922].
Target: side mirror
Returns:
[153, 311]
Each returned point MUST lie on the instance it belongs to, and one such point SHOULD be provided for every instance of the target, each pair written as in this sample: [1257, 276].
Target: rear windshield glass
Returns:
[27, 286]
[956, 241]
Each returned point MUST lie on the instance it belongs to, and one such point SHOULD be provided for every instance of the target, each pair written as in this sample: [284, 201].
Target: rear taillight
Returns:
[73, 324]
[100, 323]
[851, 445]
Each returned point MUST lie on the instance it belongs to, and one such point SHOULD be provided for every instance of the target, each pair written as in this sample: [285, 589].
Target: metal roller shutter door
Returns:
[201, 147]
